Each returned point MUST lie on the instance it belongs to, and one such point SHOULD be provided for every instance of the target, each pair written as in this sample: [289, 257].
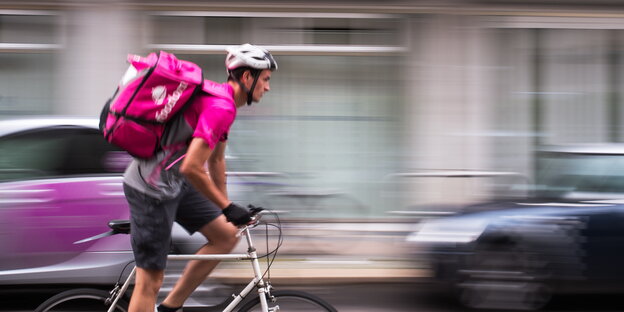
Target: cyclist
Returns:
[173, 185]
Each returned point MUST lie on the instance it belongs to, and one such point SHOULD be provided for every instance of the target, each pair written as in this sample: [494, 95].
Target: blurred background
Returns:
[381, 113]
[364, 90]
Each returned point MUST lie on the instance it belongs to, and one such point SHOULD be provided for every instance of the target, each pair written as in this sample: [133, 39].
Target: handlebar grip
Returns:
[255, 217]
[254, 210]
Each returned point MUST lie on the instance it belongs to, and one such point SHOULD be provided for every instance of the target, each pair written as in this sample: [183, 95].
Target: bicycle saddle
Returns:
[120, 226]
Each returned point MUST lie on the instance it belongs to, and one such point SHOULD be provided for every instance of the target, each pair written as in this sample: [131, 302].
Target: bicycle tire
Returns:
[81, 299]
[290, 300]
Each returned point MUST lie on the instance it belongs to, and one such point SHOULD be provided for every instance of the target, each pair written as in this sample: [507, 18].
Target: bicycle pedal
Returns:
[274, 309]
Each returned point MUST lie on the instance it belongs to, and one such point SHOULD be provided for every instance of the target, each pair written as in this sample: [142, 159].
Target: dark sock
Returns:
[164, 308]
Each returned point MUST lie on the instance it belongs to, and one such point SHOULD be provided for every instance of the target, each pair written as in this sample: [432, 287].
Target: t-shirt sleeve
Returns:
[213, 125]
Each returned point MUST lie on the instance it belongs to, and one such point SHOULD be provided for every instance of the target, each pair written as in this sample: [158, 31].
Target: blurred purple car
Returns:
[60, 182]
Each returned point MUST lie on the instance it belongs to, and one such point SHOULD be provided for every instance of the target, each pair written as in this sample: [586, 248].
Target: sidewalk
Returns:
[323, 271]
[315, 253]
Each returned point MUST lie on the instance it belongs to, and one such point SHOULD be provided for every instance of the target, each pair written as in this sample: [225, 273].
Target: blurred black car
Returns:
[567, 237]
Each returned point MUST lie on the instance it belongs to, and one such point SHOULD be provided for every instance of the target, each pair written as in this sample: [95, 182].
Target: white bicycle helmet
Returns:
[248, 55]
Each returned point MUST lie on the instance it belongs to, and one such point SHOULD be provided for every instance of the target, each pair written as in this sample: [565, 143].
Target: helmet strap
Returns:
[249, 92]
[256, 74]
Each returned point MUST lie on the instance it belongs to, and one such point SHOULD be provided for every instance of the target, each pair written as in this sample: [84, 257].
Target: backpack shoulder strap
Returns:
[216, 89]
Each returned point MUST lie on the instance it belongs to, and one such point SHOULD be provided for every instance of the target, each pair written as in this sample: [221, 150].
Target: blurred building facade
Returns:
[366, 92]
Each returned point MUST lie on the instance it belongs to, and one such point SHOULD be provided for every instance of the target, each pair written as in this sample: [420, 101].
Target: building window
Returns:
[210, 32]
[29, 31]
[28, 40]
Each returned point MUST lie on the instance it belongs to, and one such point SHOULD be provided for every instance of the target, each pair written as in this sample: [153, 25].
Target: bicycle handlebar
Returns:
[256, 215]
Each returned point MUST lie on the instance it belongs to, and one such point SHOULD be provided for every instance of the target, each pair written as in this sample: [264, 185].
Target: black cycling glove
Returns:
[237, 214]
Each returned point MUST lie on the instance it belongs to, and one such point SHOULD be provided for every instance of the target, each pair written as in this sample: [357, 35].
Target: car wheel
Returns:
[503, 277]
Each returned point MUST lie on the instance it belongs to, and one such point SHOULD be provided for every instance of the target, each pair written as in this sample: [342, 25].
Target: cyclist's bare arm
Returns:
[193, 167]
[217, 167]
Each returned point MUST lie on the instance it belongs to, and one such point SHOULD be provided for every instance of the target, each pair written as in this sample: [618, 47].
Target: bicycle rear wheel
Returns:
[290, 300]
[80, 300]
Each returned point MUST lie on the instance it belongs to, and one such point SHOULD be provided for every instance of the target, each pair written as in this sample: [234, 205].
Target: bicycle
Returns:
[91, 299]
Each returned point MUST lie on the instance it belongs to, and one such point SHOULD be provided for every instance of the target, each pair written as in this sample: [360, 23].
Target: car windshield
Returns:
[568, 175]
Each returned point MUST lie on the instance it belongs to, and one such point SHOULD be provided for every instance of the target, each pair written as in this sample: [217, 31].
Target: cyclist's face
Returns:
[262, 86]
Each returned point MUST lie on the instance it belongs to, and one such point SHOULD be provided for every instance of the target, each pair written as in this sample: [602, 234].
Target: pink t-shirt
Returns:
[212, 115]
[209, 117]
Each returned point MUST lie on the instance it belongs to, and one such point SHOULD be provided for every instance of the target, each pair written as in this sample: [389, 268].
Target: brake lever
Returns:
[255, 219]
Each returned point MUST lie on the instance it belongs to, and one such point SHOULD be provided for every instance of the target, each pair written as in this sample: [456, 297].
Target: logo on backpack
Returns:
[162, 115]
[159, 94]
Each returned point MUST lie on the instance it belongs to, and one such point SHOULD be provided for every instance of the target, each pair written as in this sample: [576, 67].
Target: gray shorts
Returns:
[152, 220]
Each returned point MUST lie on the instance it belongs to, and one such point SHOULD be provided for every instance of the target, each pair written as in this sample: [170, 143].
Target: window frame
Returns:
[66, 131]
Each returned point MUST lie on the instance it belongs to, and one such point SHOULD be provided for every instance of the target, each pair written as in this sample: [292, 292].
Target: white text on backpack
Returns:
[171, 102]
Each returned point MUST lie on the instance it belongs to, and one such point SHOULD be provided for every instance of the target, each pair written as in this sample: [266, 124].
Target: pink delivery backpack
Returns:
[151, 92]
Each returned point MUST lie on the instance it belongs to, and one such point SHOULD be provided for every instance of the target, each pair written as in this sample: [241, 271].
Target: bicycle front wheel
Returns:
[290, 300]
[81, 300]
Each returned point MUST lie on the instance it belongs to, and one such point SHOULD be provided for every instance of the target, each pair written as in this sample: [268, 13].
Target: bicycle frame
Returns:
[251, 255]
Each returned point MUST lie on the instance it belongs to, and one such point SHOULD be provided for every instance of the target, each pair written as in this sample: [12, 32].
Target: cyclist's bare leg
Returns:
[146, 288]
[222, 239]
